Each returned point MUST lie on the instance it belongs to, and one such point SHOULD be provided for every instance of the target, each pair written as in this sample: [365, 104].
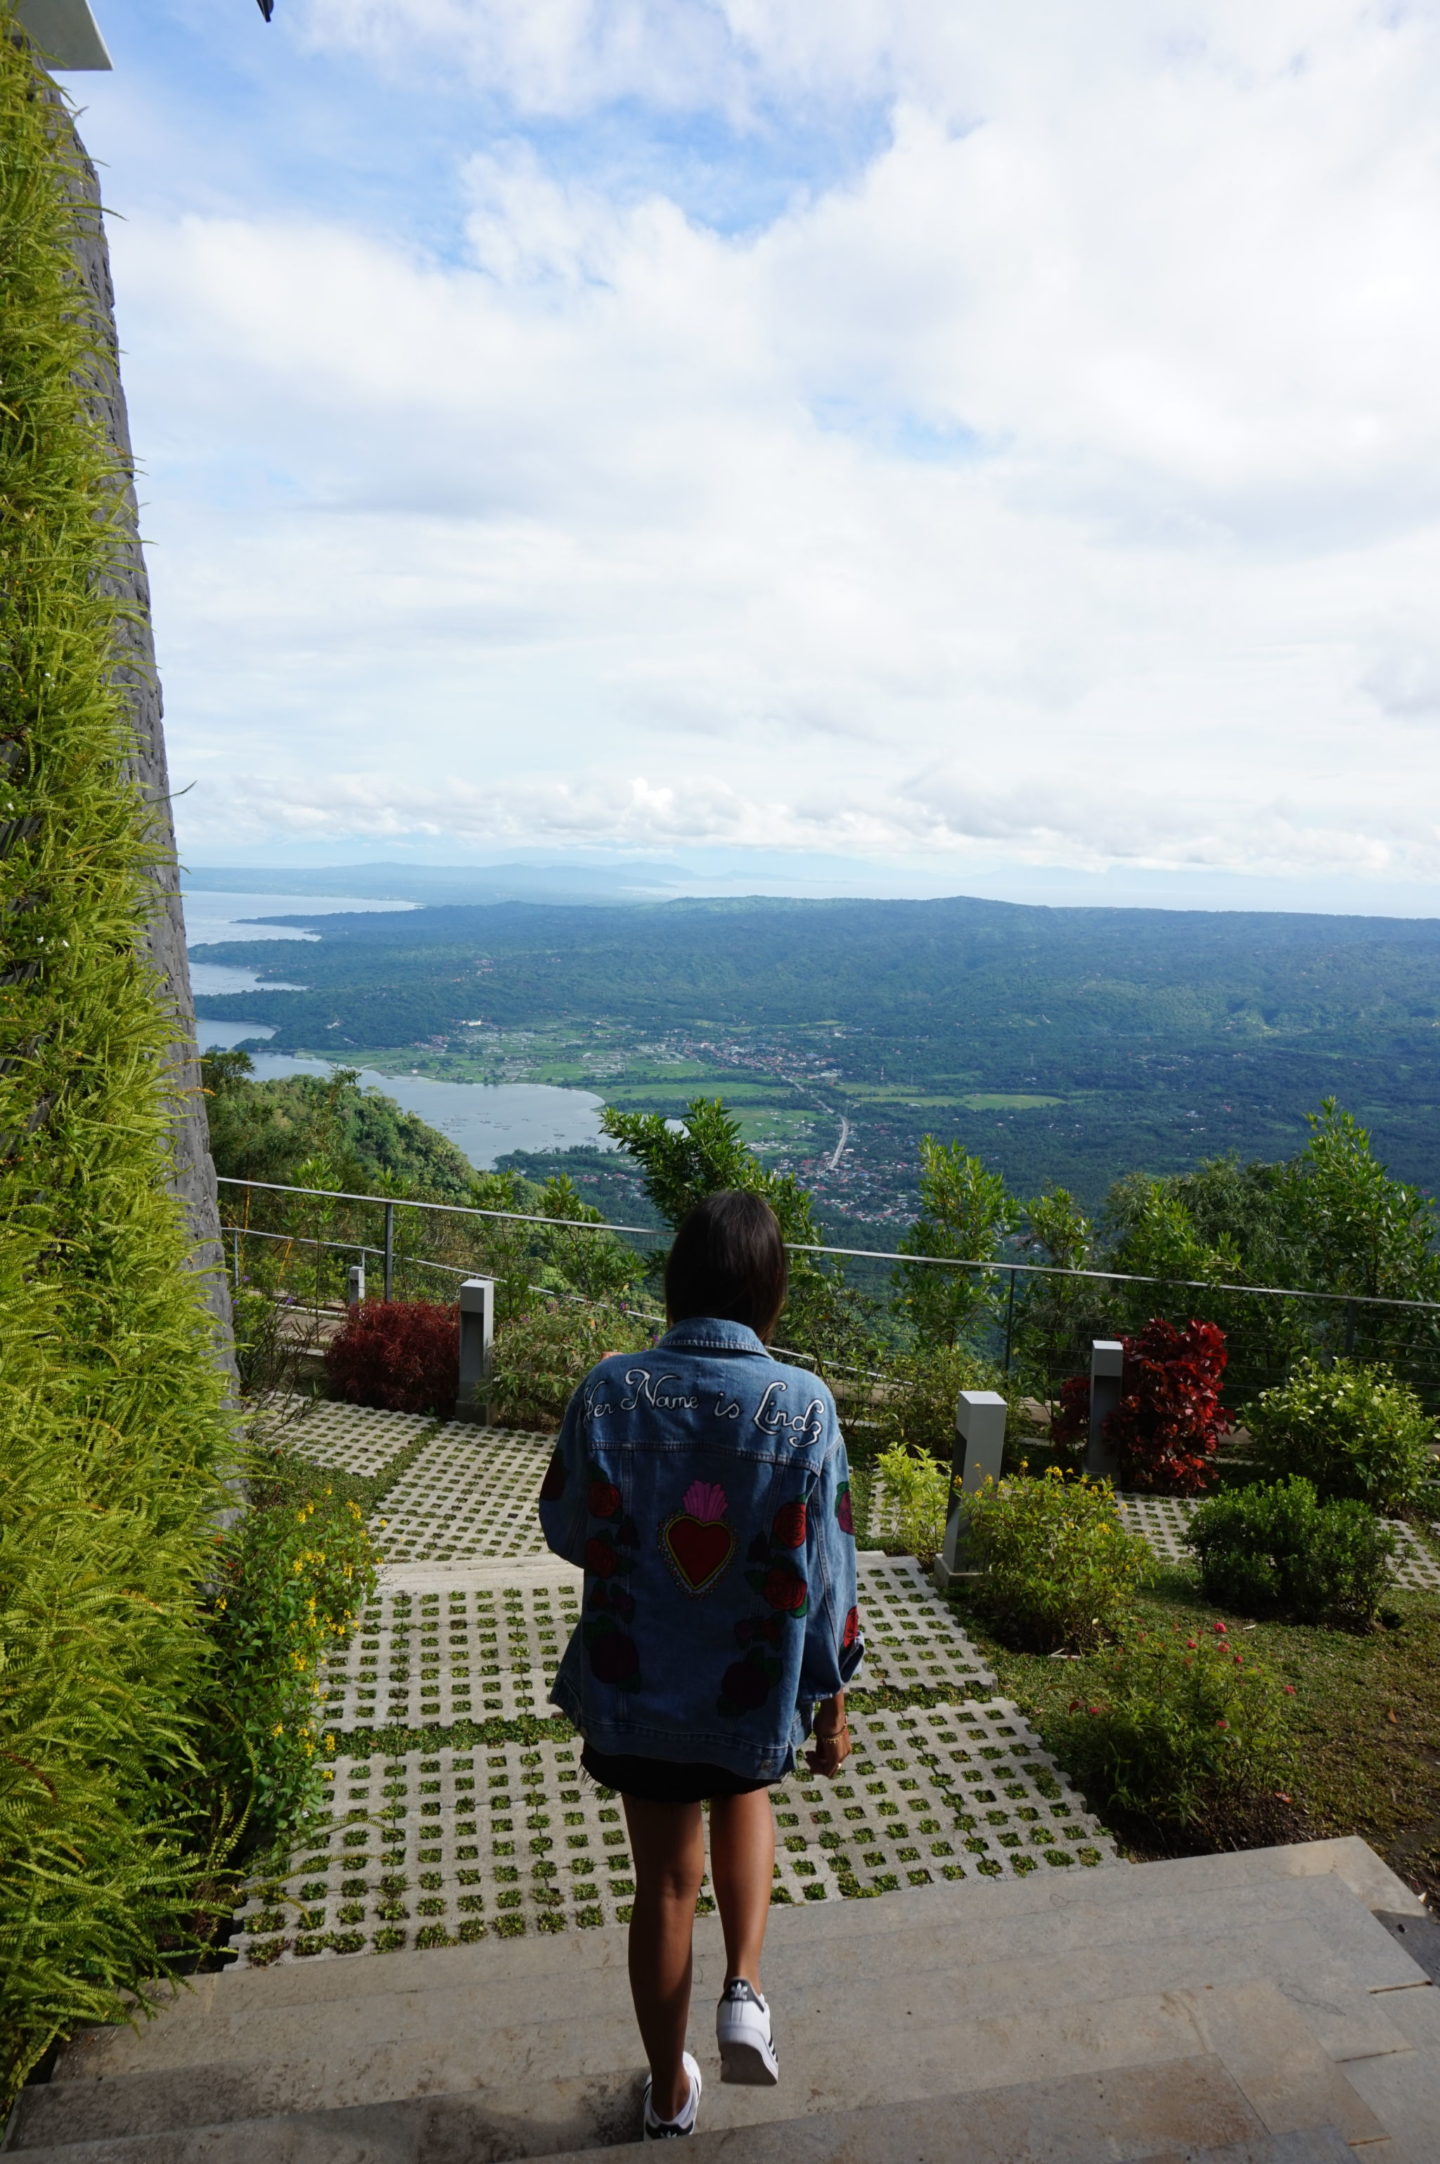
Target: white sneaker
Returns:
[653, 2129]
[743, 2032]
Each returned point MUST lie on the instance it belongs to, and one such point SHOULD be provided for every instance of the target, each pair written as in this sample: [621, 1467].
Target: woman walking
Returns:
[704, 1490]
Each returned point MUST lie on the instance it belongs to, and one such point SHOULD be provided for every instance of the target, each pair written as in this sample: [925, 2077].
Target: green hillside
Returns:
[1061, 1044]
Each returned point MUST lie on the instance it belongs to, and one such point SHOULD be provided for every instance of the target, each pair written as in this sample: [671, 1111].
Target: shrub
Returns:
[918, 1406]
[541, 1357]
[1183, 1732]
[1350, 1430]
[1058, 1570]
[1169, 1421]
[1281, 1550]
[268, 1352]
[292, 1576]
[401, 1355]
[918, 1489]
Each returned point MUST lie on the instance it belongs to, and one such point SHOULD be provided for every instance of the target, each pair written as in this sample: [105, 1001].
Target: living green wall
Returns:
[112, 1432]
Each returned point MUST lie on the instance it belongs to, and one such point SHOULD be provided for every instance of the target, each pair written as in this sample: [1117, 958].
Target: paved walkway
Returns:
[460, 1810]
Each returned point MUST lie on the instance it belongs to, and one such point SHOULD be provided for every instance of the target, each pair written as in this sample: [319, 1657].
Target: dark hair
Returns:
[728, 1260]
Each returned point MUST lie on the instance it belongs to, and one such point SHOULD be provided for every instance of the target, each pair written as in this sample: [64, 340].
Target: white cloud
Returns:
[1063, 477]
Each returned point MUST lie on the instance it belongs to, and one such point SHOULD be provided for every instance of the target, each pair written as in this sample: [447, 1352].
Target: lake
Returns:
[209, 918]
[483, 1119]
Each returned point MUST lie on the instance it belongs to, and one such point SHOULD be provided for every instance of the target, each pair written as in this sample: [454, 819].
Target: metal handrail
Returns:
[455, 1209]
[861, 1254]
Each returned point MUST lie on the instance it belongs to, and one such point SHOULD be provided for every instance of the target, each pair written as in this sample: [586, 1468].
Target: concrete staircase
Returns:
[1275, 2007]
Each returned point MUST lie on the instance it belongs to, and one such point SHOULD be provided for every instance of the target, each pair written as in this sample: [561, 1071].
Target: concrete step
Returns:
[1030, 1944]
[1189, 2109]
[497, 1963]
[1267, 1962]
[904, 2028]
[986, 2018]
[1310, 1938]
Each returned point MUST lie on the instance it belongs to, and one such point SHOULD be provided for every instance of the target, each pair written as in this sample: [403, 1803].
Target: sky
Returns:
[990, 449]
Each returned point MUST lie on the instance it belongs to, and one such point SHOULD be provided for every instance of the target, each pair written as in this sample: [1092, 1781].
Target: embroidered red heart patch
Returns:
[697, 1544]
[697, 1550]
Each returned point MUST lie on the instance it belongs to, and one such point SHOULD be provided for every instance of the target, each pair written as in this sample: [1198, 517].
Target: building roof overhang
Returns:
[64, 33]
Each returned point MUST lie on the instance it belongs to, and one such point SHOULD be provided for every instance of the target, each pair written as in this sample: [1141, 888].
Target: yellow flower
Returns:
[278, 1729]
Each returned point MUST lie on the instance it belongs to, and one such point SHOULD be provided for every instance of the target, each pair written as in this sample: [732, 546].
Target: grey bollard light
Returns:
[1107, 1376]
[979, 1453]
[355, 1284]
[477, 1347]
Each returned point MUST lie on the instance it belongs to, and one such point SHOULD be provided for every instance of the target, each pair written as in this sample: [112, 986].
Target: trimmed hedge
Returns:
[1279, 1549]
[110, 1423]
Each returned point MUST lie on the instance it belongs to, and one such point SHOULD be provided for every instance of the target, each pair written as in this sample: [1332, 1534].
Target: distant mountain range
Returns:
[646, 880]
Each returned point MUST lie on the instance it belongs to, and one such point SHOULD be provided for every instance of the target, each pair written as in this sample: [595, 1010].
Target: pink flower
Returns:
[1222, 1724]
[1219, 1630]
[1289, 1690]
[1190, 1642]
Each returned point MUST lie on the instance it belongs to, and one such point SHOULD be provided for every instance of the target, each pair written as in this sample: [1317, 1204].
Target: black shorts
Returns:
[665, 1780]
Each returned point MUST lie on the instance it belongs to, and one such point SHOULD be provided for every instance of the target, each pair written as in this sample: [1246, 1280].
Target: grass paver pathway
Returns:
[460, 1809]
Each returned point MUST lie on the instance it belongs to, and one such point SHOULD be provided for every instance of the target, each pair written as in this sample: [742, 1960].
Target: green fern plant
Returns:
[111, 1434]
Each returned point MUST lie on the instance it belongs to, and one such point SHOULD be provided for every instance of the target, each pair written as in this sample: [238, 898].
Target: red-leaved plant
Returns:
[400, 1355]
[1167, 1426]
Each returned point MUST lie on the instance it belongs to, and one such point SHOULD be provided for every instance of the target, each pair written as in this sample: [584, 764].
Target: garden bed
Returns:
[1367, 1714]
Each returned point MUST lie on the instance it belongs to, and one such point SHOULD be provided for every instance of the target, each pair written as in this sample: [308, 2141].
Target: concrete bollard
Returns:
[477, 1347]
[355, 1284]
[979, 1454]
[1107, 1377]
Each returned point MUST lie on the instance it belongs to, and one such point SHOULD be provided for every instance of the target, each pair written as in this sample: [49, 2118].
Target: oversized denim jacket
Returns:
[704, 1489]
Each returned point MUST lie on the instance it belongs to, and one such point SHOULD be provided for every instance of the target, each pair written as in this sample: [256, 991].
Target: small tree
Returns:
[1364, 1232]
[965, 1213]
[684, 1161]
[1057, 1317]
[596, 1265]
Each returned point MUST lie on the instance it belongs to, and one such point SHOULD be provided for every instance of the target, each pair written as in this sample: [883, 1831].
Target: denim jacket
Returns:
[704, 1489]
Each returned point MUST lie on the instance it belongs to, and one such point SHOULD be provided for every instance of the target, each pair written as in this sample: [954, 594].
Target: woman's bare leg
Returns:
[742, 1867]
[667, 1841]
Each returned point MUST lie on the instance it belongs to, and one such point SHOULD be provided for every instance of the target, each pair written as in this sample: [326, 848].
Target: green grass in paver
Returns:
[470, 1494]
[483, 1825]
[431, 1657]
[474, 1653]
[1367, 1705]
[440, 1846]
[350, 1438]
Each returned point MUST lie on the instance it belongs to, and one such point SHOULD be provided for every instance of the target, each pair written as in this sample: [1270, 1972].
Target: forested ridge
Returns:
[874, 965]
